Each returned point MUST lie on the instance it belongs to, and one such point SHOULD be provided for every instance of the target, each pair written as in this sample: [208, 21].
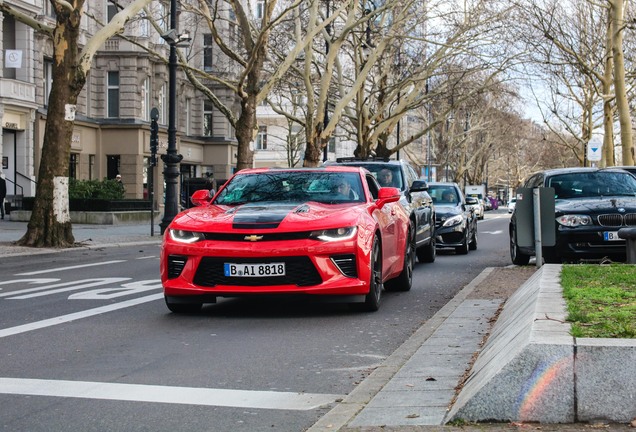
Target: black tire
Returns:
[182, 308]
[404, 281]
[517, 257]
[473, 241]
[372, 299]
[463, 249]
[428, 253]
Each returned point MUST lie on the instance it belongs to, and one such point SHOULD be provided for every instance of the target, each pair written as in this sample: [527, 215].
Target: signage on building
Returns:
[13, 59]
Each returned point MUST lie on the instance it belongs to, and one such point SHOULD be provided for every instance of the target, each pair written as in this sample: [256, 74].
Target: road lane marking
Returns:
[77, 315]
[61, 287]
[492, 232]
[167, 394]
[69, 268]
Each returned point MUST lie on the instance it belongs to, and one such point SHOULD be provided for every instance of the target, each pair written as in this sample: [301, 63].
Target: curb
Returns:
[352, 405]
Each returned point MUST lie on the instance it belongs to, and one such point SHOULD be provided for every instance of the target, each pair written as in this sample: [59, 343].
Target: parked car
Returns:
[511, 204]
[414, 198]
[631, 169]
[456, 222]
[591, 205]
[479, 208]
[331, 232]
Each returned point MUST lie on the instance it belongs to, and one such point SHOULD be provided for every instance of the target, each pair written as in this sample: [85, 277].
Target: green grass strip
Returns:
[601, 300]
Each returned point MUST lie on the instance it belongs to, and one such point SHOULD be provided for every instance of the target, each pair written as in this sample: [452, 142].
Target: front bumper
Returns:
[311, 267]
[587, 243]
[448, 237]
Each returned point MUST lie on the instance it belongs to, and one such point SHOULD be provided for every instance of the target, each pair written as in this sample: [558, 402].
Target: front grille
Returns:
[176, 263]
[346, 264]
[265, 237]
[617, 220]
[610, 220]
[299, 271]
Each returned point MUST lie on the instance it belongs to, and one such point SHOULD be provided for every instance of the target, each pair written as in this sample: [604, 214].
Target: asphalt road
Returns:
[87, 344]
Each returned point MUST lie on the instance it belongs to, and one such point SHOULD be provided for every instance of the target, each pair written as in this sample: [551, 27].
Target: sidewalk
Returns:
[87, 236]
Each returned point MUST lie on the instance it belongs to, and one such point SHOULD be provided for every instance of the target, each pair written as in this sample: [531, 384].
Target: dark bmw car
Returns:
[456, 225]
[591, 205]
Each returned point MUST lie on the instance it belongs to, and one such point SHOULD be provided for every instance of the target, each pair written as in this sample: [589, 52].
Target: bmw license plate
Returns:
[611, 236]
[254, 269]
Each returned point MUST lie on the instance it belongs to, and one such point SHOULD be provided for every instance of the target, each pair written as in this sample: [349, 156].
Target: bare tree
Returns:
[577, 49]
[50, 223]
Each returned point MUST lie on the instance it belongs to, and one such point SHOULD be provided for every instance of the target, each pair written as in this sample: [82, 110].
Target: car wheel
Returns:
[183, 307]
[405, 279]
[463, 249]
[473, 241]
[428, 253]
[372, 300]
[517, 257]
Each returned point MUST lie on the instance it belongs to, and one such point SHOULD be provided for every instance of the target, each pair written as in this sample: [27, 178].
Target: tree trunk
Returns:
[246, 129]
[50, 223]
[608, 112]
[622, 104]
[314, 149]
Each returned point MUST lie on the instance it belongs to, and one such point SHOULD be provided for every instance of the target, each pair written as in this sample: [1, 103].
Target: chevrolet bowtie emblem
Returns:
[253, 238]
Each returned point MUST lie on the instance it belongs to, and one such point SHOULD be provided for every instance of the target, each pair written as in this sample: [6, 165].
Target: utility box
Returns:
[524, 212]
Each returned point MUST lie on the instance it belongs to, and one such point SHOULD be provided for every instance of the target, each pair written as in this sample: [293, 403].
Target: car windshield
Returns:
[592, 184]
[292, 186]
[443, 194]
[388, 175]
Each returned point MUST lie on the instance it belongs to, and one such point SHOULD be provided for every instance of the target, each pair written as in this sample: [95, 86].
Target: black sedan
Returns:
[591, 205]
[456, 223]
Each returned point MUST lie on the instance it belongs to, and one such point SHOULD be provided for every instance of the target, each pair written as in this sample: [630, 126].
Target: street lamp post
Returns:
[171, 159]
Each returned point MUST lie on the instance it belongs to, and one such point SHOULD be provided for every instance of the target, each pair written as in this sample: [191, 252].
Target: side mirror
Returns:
[419, 186]
[387, 195]
[201, 197]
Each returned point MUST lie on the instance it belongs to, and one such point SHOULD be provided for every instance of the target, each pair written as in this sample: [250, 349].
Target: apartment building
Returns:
[112, 126]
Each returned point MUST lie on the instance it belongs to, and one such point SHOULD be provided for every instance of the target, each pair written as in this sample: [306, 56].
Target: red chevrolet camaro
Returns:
[328, 231]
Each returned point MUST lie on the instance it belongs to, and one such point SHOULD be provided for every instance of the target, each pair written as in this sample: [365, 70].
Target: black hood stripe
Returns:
[258, 216]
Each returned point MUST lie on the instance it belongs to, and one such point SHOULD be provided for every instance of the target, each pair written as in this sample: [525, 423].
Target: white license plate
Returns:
[611, 236]
[254, 269]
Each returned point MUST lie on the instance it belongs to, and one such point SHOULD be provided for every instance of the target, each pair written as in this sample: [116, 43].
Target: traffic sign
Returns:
[594, 151]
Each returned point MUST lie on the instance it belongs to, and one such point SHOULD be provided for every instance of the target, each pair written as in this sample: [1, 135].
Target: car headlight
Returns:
[183, 236]
[574, 220]
[336, 234]
[452, 221]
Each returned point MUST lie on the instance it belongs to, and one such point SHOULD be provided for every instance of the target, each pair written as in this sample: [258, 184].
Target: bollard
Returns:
[629, 234]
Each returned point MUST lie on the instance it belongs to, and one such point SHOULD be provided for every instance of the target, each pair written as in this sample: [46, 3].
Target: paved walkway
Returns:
[88, 236]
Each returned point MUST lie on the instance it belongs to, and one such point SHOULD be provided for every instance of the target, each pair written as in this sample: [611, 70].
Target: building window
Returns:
[48, 10]
[113, 94]
[261, 138]
[91, 167]
[73, 164]
[111, 11]
[188, 111]
[48, 80]
[145, 100]
[331, 145]
[207, 118]
[207, 52]
[144, 25]
[260, 9]
[163, 105]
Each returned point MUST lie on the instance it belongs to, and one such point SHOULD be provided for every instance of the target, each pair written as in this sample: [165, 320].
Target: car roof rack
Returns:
[369, 159]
